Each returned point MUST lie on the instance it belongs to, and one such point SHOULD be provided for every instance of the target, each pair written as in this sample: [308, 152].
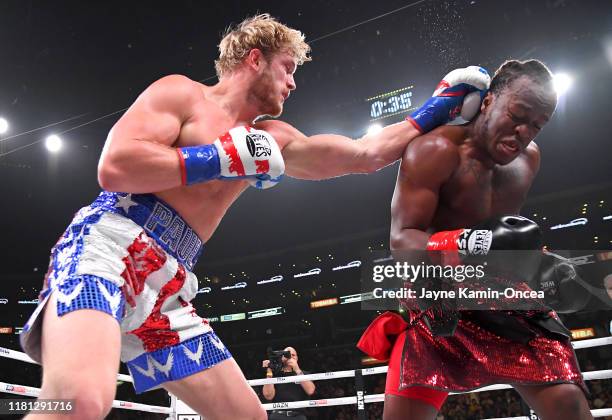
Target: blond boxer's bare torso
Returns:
[194, 118]
[204, 205]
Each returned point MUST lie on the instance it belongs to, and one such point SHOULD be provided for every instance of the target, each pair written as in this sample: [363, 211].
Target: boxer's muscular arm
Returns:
[138, 156]
[427, 164]
[325, 156]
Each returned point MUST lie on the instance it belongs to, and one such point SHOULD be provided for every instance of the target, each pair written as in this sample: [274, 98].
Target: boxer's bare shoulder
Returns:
[433, 156]
[193, 103]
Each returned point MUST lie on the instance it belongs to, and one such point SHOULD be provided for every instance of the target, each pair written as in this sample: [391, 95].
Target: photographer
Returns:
[285, 363]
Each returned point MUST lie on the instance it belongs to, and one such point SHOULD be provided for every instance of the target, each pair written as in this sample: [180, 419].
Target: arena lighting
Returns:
[4, 125]
[562, 82]
[351, 298]
[607, 47]
[323, 302]
[28, 302]
[311, 272]
[232, 317]
[575, 222]
[352, 264]
[239, 285]
[271, 280]
[265, 312]
[53, 143]
[374, 128]
[582, 333]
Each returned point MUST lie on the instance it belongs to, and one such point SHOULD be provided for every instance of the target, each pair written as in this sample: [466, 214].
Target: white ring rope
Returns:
[588, 376]
[326, 402]
[17, 355]
[33, 392]
[600, 412]
[127, 405]
[595, 342]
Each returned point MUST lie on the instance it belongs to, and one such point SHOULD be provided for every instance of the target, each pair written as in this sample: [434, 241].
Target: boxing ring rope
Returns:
[17, 355]
[29, 391]
[588, 376]
[326, 402]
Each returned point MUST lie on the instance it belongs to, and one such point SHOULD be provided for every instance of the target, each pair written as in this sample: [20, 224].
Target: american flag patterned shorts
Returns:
[131, 256]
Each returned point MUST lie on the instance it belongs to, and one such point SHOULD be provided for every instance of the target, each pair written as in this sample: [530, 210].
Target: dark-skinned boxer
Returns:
[450, 180]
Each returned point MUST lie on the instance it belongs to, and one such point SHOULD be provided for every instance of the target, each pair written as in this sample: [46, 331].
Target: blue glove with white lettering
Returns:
[456, 99]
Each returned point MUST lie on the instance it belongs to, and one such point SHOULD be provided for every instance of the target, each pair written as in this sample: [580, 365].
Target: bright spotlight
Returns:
[374, 128]
[607, 47]
[4, 125]
[562, 83]
[53, 143]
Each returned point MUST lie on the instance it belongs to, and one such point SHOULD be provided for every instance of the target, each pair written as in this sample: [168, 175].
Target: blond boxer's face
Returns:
[275, 82]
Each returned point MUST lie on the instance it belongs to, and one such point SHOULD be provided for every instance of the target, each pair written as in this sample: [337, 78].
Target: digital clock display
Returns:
[391, 103]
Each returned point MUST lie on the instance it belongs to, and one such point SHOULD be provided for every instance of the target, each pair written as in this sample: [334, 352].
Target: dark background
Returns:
[64, 59]
[85, 62]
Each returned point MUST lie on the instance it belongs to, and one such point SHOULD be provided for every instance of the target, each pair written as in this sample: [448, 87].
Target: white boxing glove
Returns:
[242, 152]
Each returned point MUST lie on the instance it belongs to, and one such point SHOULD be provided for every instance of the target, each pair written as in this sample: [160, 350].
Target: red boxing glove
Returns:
[513, 233]
[447, 241]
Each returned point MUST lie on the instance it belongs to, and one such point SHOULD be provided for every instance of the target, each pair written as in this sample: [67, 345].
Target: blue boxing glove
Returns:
[456, 100]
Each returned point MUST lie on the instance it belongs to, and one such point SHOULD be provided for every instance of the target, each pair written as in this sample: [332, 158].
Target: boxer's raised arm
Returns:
[138, 155]
[427, 163]
[325, 156]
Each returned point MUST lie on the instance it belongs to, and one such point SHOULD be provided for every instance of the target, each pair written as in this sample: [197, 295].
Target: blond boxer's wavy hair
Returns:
[264, 33]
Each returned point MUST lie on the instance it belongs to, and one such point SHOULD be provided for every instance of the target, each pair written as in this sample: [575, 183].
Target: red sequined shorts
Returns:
[427, 367]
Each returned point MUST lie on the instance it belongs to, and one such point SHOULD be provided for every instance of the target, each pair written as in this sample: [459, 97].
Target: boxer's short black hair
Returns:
[511, 70]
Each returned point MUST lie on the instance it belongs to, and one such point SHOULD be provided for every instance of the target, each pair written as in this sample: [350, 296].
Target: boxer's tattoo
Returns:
[503, 177]
[509, 187]
[482, 179]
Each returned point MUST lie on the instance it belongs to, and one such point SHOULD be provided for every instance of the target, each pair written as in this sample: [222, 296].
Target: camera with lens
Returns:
[276, 360]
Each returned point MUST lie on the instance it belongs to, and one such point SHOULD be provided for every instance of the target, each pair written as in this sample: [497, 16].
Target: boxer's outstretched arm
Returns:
[137, 156]
[427, 164]
[325, 156]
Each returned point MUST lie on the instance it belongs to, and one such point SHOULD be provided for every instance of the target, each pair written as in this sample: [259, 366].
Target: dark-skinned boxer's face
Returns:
[275, 82]
[512, 118]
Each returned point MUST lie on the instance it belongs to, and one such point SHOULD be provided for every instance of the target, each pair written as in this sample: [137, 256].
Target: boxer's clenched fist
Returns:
[242, 152]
